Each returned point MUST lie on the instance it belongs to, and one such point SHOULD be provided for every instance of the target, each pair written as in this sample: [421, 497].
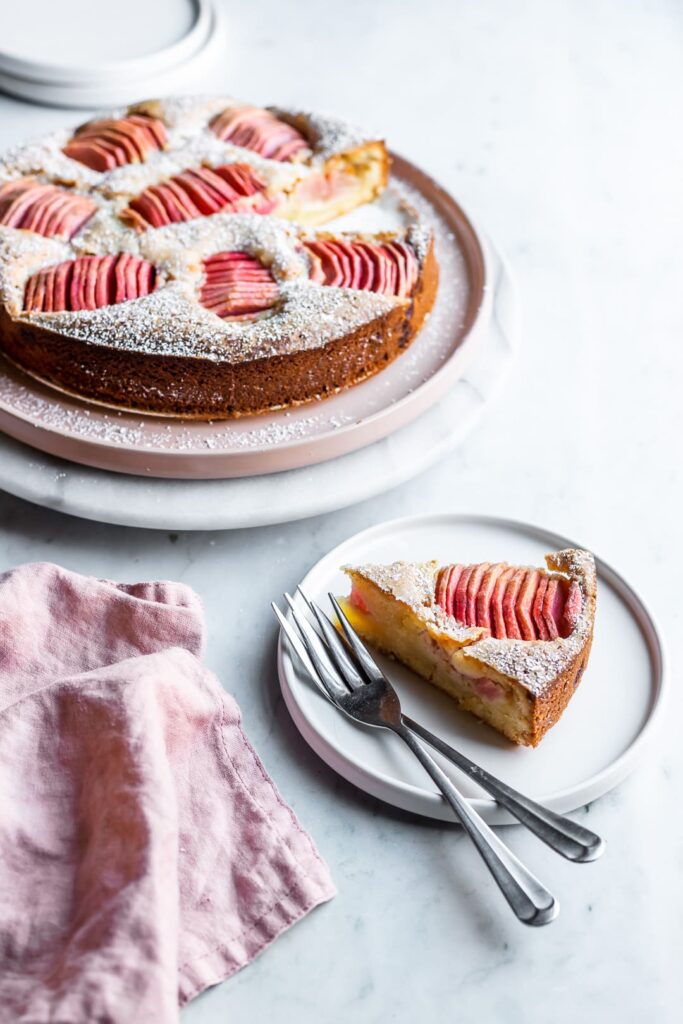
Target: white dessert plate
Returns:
[128, 442]
[599, 739]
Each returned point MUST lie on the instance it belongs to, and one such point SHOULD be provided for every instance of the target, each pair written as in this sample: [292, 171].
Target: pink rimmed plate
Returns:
[128, 442]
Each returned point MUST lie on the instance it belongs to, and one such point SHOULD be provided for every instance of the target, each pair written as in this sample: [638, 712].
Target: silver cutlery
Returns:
[362, 691]
[563, 835]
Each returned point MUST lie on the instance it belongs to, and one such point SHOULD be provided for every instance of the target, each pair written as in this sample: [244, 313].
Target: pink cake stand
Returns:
[131, 443]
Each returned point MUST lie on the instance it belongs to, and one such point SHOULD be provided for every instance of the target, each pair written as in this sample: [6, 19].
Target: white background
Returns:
[558, 125]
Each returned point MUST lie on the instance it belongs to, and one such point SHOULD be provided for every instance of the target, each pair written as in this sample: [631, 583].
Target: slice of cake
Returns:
[508, 643]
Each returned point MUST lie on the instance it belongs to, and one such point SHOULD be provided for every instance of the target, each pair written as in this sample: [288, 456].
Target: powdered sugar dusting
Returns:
[307, 315]
[533, 663]
[328, 135]
[43, 157]
[171, 322]
[434, 345]
[537, 663]
[414, 583]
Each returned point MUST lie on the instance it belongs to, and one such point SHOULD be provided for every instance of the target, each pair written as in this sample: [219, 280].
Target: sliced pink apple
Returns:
[104, 277]
[442, 586]
[45, 209]
[30, 291]
[199, 192]
[388, 269]
[553, 606]
[237, 286]
[460, 597]
[446, 586]
[49, 288]
[572, 609]
[485, 595]
[89, 282]
[537, 609]
[510, 598]
[109, 143]
[40, 292]
[497, 610]
[260, 131]
[473, 585]
[456, 573]
[525, 604]
[75, 300]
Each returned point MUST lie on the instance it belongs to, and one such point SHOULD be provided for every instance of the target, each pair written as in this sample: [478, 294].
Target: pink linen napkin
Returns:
[144, 852]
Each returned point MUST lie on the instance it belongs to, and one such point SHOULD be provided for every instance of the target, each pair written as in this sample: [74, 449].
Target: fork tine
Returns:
[337, 650]
[367, 663]
[295, 643]
[317, 653]
[301, 652]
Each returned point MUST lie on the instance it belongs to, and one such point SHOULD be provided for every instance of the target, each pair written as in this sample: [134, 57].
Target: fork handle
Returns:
[563, 835]
[529, 899]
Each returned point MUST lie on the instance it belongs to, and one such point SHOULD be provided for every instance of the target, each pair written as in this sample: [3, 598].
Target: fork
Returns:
[561, 834]
[375, 703]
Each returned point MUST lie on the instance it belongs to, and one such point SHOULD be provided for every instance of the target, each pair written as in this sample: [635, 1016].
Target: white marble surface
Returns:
[558, 124]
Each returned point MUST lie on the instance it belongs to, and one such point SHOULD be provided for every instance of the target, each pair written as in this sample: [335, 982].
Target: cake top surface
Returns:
[534, 663]
[187, 120]
[171, 320]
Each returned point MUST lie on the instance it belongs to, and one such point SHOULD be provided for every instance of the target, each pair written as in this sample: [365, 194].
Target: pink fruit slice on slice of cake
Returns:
[508, 643]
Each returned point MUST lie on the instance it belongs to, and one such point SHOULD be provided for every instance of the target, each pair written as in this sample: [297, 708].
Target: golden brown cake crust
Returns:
[548, 707]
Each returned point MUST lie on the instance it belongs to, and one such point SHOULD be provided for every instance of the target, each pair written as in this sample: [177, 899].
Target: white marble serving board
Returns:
[280, 497]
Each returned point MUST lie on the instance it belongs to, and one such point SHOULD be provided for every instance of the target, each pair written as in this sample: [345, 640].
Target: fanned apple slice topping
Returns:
[511, 603]
[237, 286]
[199, 192]
[89, 282]
[260, 131]
[46, 209]
[388, 268]
[109, 143]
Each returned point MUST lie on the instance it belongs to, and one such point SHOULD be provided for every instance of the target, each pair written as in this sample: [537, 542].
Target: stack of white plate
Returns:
[79, 54]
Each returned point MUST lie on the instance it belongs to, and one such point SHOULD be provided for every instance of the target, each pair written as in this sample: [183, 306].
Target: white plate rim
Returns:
[430, 804]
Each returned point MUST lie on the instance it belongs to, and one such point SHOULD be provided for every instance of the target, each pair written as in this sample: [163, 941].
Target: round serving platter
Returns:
[579, 760]
[128, 442]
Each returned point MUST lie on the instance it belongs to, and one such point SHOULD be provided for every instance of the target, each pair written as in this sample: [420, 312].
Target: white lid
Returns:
[130, 50]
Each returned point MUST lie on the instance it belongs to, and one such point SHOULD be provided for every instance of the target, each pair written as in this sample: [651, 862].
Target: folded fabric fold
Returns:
[144, 852]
